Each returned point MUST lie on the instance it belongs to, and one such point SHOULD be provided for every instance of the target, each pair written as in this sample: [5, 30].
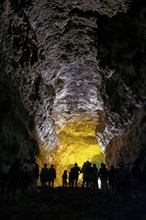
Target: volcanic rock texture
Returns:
[79, 66]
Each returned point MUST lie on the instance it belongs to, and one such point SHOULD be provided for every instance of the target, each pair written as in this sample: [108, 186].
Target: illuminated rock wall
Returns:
[54, 51]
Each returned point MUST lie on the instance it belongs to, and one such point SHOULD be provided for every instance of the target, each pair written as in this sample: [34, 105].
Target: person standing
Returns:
[64, 179]
[75, 172]
[44, 175]
[103, 174]
[111, 178]
[95, 176]
[35, 175]
[51, 176]
[5, 167]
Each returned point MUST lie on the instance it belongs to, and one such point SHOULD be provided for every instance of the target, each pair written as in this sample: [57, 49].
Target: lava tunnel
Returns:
[77, 144]
[76, 77]
[72, 90]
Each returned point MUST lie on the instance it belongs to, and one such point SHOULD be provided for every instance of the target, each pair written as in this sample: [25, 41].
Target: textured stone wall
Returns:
[17, 132]
[69, 60]
[121, 49]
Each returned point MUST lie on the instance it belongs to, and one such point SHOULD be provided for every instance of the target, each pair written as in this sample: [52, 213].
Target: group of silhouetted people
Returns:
[90, 176]
[24, 175]
[18, 175]
[89, 173]
[114, 180]
[48, 175]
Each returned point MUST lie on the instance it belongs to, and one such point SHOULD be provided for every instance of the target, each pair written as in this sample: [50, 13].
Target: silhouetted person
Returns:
[75, 173]
[136, 177]
[14, 178]
[5, 167]
[103, 174]
[143, 175]
[89, 173]
[112, 175]
[35, 175]
[127, 185]
[95, 176]
[26, 175]
[71, 178]
[44, 175]
[85, 173]
[51, 176]
[135, 172]
[143, 178]
[64, 178]
[120, 179]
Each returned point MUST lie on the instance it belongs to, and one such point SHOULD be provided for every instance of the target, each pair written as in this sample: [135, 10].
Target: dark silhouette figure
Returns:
[136, 177]
[120, 179]
[135, 172]
[103, 174]
[85, 173]
[14, 178]
[127, 185]
[64, 179]
[5, 167]
[27, 176]
[143, 175]
[112, 174]
[75, 172]
[95, 176]
[51, 176]
[71, 178]
[143, 178]
[89, 173]
[35, 175]
[44, 175]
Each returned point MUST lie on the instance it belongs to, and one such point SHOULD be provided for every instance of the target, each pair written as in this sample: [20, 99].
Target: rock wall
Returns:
[121, 50]
[72, 60]
[17, 132]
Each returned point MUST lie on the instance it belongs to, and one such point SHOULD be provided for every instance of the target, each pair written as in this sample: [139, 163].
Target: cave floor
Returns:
[72, 204]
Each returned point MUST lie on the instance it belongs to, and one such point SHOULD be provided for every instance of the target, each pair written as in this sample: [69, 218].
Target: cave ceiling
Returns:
[79, 68]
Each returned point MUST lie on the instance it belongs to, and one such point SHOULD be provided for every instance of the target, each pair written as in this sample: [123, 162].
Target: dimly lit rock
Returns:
[17, 131]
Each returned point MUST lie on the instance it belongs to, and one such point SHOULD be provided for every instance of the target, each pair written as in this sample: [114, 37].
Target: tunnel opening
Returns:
[77, 144]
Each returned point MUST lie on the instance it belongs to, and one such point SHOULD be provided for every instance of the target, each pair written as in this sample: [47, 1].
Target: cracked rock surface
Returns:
[72, 60]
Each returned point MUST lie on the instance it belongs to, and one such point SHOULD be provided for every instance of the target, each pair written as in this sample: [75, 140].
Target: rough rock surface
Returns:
[17, 131]
[73, 59]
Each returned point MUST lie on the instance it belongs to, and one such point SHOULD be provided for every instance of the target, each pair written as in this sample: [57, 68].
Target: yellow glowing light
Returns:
[78, 144]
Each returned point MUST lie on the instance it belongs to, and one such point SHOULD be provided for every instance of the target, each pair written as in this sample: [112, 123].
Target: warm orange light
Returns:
[77, 144]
